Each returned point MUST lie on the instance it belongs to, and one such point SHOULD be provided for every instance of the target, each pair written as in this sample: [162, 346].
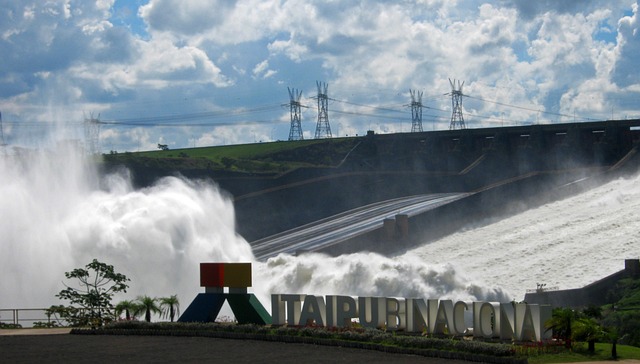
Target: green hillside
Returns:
[272, 157]
[624, 314]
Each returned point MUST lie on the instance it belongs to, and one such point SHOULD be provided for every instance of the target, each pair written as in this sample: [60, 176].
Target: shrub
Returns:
[9, 326]
[370, 338]
[45, 325]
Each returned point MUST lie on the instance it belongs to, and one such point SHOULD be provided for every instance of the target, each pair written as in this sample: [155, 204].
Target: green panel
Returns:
[247, 309]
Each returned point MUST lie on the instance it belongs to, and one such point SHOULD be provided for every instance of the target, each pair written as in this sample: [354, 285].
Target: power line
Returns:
[369, 106]
[203, 124]
[525, 108]
[377, 116]
[196, 116]
[212, 118]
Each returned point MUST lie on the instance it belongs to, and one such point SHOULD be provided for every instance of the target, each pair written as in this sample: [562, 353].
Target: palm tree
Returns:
[170, 306]
[148, 305]
[587, 329]
[127, 307]
[613, 336]
[561, 323]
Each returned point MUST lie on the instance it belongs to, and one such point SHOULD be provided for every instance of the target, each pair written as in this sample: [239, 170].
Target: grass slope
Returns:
[272, 157]
[580, 354]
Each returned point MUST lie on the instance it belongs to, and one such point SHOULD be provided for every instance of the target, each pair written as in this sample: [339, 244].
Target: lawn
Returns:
[237, 151]
[580, 354]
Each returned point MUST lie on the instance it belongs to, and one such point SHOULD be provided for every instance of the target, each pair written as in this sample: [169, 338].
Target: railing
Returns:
[543, 289]
[26, 317]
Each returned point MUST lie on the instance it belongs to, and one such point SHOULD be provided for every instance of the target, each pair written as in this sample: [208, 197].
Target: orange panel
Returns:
[237, 275]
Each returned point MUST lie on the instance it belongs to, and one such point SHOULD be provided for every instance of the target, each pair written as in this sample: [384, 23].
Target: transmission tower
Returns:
[92, 134]
[323, 130]
[416, 111]
[295, 133]
[457, 120]
[2, 144]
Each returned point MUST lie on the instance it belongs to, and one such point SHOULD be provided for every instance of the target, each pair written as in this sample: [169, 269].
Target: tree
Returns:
[170, 306]
[127, 307]
[613, 336]
[148, 305]
[61, 313]
[561, 322]
[97, 283]
[589, 330]
[593, 311]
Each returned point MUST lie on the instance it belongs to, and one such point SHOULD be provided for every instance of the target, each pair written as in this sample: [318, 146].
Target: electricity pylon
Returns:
[92, 134]
[295, 132]
[416, 111]
[457, 120]
[323, 129]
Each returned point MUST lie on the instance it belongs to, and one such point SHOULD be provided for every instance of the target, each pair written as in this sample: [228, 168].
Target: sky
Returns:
[195, 73]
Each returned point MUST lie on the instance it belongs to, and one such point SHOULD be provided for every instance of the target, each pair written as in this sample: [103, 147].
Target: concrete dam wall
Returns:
[504, 167]
[595, 294]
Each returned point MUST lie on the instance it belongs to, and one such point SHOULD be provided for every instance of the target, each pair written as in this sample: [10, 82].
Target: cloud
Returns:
[531, 9]
[261, 70]
[628, 50]
[542, 61]
[221, 21]
[163, 64]
[292, 50]
[44, 42]
[185, 17]
[61, 53]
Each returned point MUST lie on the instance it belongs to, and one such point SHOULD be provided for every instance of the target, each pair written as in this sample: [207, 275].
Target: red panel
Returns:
[211, 274]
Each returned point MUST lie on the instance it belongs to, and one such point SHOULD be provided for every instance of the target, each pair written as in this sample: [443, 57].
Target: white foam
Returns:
[56, 218]
[565, 244]
[368, 274]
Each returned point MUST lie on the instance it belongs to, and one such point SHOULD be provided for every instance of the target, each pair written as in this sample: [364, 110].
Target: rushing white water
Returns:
[57, 215]
[564, 244]
[368, 274]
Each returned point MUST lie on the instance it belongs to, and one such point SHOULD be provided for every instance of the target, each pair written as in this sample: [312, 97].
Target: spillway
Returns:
[345, 226]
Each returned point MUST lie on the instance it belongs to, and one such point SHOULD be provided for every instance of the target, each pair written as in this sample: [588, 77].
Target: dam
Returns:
[494, 171]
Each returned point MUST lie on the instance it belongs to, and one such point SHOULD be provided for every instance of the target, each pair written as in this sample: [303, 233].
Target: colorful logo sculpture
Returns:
[506, 321]
[214, 277]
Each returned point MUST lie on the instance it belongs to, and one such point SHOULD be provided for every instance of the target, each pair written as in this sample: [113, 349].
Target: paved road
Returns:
[66, 348]
[344, 226]
[57, 346]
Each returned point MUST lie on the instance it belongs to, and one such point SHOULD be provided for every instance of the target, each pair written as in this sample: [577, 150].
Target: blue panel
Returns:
[204, 308]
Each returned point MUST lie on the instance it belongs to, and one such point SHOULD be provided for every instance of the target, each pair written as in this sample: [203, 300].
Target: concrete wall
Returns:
[387, 166]
[593, 294]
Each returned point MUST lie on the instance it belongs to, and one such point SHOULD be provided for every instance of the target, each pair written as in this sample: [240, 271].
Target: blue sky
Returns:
[197, 73]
